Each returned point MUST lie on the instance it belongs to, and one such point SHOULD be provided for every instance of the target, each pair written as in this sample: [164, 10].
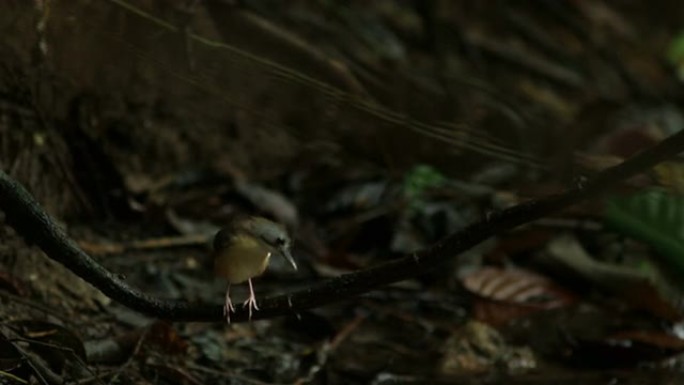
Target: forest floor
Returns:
[371, 131]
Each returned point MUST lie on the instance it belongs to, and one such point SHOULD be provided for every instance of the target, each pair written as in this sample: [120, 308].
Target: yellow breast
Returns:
[244, 259]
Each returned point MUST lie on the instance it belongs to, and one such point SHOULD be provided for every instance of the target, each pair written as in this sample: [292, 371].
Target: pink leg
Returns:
[228, 307]
[251, 301]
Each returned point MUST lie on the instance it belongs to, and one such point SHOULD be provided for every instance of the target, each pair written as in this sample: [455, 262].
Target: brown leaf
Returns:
[163, 335]
[505, 294]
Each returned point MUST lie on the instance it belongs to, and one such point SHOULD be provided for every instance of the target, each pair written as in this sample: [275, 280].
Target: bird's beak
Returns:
[286, 253]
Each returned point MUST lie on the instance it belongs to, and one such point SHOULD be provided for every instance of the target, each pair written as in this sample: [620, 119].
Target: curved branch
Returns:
[33, 223]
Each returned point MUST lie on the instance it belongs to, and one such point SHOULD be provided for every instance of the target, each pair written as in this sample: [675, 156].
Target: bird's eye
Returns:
[280, 241]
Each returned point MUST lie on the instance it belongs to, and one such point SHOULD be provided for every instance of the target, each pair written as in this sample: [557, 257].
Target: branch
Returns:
[29, 220]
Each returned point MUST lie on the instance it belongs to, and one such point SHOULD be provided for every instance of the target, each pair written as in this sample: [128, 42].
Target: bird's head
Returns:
[272, 235]
[258, 231]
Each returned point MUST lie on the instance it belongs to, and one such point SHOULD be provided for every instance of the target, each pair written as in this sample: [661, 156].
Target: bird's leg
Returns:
[251, 301]
[228, 307]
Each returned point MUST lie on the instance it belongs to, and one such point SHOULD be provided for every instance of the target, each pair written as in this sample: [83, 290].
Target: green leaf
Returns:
[419, 179]
[675, 54]
[655, 217]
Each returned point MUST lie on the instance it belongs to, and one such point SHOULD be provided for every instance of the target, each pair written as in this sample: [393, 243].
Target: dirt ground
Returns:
[370, 130]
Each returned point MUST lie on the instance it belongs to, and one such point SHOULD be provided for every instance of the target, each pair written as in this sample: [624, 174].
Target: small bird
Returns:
[242, 251]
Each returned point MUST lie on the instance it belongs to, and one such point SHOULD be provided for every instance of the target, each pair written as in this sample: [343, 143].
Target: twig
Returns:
[130, 359]
[30, 221]
[64, 349]
[145, 244]
[224, 374]
[329, 347]
[42, 372]
[12, 377]
[27, 302]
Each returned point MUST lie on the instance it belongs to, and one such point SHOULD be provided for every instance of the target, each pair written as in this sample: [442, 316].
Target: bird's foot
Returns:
[251, 303]
[228, 307]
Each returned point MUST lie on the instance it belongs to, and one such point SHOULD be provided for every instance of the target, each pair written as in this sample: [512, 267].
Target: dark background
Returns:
[372, 130]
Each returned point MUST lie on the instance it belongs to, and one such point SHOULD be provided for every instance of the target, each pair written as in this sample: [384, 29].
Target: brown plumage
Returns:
[242, 251]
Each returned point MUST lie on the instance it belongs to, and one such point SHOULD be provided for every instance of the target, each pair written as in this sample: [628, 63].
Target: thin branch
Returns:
[30, 220]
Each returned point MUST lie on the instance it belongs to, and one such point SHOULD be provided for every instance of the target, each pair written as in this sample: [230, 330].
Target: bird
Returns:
[242, 250]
